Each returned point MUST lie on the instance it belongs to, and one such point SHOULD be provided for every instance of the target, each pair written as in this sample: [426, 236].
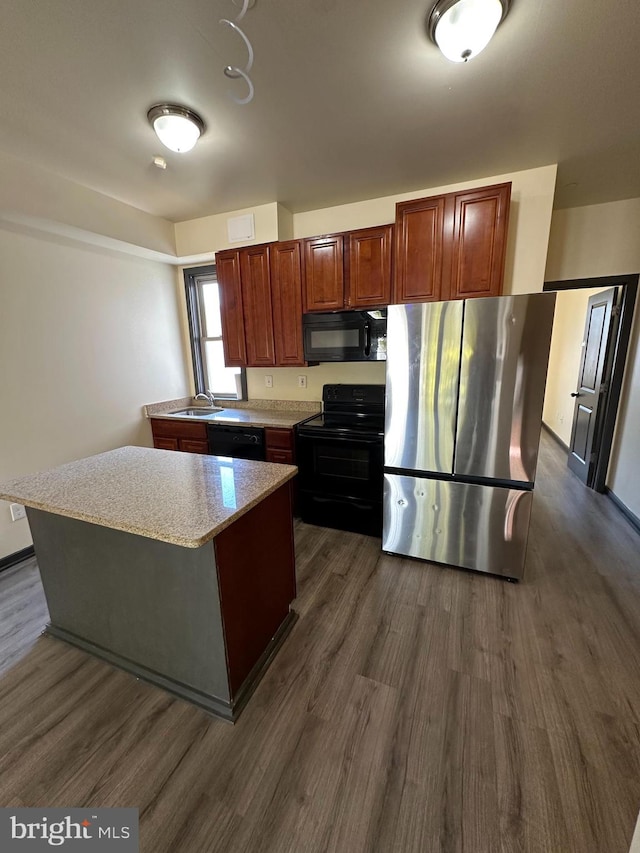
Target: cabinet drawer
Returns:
[193, 445]
[178, 429]
[282, 457]
[279, 438]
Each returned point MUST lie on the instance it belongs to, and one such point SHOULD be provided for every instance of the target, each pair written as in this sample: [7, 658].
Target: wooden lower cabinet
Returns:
[179, 435]
[257, 580]
[280, 446]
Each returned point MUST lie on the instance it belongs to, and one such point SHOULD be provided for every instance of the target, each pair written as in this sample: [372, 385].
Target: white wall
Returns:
[564, 360]
[598, 240]
[87, 336]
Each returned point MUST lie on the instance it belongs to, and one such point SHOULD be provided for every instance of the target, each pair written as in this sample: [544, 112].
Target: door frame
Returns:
[619, 346]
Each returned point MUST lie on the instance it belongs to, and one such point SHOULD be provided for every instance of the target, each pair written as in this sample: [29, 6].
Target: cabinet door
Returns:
[279, 439]
[162, 443]
[324, 273]
[480, 220]
[228, 274]
[256, 302]
[369, 262]
[286, 293]
[420, 227]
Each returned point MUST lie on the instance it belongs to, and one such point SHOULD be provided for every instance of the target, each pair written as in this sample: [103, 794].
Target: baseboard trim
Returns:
[555, 437]
[631, 517]
[17, 557]
[220, 707]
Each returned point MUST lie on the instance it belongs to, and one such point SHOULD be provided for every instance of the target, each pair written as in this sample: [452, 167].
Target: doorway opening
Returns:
[602, 324]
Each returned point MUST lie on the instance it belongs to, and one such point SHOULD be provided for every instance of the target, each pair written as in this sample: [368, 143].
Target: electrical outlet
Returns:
[302, 381]
[17, 512]
[268, 381]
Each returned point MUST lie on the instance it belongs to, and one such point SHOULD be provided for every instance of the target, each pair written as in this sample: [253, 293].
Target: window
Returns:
[205, 327]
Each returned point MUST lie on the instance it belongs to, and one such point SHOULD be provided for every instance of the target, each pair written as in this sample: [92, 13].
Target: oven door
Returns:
[338, 465]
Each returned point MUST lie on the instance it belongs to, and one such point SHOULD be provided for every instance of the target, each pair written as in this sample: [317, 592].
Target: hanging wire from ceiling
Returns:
[234, 72]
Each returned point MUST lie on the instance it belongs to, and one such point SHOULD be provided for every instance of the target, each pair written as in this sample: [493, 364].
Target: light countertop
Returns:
[283, 415]
[182, 498]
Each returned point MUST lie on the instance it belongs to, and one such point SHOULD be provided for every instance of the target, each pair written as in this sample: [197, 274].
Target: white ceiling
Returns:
[352, 99]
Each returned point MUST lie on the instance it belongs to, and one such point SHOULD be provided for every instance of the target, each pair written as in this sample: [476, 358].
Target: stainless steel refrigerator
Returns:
[465, 389]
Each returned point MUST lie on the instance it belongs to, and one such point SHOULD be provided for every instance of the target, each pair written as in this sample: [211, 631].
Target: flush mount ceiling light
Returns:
[462, 28]
[179, 128]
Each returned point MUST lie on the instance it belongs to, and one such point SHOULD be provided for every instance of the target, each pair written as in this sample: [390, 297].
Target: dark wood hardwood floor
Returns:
[413, 708]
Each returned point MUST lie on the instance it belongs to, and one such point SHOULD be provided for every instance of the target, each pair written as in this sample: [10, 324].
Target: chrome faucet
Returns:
[208, 396]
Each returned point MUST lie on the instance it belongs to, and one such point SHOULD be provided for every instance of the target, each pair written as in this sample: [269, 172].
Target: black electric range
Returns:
[340, 460]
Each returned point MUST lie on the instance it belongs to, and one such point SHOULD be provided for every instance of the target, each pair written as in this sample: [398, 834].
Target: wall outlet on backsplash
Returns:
[268, 381]
[302, 381]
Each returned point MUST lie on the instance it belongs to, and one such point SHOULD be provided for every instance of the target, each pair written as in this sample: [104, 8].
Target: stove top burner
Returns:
[356, 410]
[348, 424]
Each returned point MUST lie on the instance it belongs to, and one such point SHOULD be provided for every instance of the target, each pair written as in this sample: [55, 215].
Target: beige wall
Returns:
[564, 360]
[201, 238]
[598, 240]
[87, 337]
[285, 380]
[29, 194]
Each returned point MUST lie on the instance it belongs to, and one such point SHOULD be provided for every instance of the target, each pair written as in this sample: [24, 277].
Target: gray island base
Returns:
[202, 621]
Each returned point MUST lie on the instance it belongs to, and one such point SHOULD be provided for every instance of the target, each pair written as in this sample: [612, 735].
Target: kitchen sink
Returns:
[197, 412]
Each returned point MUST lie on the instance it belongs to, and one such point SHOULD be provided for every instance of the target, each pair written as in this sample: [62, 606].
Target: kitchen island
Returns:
[176, 567]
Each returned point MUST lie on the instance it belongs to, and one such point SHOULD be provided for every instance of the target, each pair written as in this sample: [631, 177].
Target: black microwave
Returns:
[345, 336]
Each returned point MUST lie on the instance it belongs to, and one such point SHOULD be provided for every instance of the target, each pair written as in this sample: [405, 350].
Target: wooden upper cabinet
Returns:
[480, 219]
[451, 246]
[324, 273]
[256, 300]
[286, 292]
[228, 274]
[420, 230]
[369, 265]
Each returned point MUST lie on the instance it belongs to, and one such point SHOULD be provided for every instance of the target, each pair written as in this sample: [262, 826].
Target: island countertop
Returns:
[184, 499]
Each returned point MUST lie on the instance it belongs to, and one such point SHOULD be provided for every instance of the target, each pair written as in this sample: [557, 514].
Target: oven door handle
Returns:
[341, 438]
[321, 499]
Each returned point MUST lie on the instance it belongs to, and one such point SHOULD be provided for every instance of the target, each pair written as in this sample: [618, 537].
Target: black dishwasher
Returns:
[237, 441]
